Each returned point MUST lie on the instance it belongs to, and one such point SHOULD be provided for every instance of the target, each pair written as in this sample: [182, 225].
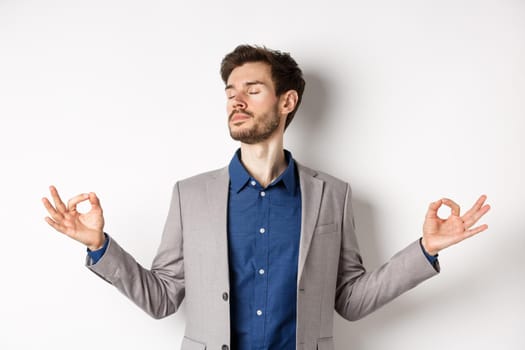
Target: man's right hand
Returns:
[87, 228]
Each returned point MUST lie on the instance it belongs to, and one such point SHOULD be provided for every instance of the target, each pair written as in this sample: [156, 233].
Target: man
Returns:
[264, 249]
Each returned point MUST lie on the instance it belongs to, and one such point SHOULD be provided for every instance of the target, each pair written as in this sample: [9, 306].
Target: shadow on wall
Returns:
[319, 130]
[311, 118]
[315, 101]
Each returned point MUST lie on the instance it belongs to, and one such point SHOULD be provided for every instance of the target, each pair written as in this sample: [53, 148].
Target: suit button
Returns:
[225, 298]
[225, 347]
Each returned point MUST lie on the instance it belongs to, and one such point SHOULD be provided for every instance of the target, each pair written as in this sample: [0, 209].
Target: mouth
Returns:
[238, 117]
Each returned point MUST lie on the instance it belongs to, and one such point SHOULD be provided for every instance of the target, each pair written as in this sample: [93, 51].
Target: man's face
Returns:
[253, 113]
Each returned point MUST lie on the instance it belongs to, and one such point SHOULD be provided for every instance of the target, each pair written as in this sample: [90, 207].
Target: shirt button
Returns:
[262, 230]
[253, 183]
[225, 296]
[259, 312]
[225, 347]
[261, 272]
[263, 193]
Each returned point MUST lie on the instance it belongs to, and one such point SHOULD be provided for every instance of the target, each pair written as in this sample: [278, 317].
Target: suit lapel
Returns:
[217, 190]
[311, 193]
[217, 193]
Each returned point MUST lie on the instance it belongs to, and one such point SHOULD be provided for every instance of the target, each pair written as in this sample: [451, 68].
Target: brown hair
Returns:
[286, 74]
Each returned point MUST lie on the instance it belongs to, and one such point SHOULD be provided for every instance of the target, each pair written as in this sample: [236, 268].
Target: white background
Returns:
[409, 101]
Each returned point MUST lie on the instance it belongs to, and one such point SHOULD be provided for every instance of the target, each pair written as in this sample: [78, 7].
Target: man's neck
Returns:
[264, 161]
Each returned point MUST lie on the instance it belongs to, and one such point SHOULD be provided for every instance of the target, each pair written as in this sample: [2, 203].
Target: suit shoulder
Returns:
[203, 178]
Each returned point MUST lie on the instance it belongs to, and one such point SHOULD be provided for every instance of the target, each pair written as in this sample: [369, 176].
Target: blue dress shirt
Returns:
[264, 225]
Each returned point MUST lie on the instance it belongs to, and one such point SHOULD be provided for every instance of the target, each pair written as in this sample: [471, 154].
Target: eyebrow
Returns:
[248, 83]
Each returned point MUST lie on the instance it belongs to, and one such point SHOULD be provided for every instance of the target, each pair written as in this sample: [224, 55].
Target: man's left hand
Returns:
[439, 233]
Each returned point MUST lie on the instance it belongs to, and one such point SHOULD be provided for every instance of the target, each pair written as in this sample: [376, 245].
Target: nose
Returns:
[239, 102]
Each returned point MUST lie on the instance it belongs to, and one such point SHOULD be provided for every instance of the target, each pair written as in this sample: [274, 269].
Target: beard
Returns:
[263, 127]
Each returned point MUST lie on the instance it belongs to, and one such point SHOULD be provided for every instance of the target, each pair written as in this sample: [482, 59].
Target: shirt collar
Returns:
[239, 176]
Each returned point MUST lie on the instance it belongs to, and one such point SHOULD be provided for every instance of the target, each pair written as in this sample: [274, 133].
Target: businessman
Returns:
[264, 249]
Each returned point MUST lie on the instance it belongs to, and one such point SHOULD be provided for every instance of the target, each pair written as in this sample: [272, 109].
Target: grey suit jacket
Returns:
[192, 264]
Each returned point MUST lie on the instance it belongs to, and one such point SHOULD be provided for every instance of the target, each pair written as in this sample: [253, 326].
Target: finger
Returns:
[475, 230]
[55, 225]
[454, 207]
[479, 203]
[51, 210]
[72, 203]
[59, 205]
[473, 218]
[433, 209]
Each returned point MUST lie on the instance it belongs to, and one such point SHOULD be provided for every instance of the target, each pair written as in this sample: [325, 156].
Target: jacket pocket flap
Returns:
[324, 229]
[190, 344]
[325, 344]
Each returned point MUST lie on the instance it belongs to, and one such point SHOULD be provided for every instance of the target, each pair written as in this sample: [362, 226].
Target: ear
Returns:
[288, 101]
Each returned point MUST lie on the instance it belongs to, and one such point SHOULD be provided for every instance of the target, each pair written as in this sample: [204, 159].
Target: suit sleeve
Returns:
[359, 292]
[160, 290]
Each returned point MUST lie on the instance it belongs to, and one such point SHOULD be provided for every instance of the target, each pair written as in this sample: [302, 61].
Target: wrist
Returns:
[428, 248]
[98, 243]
